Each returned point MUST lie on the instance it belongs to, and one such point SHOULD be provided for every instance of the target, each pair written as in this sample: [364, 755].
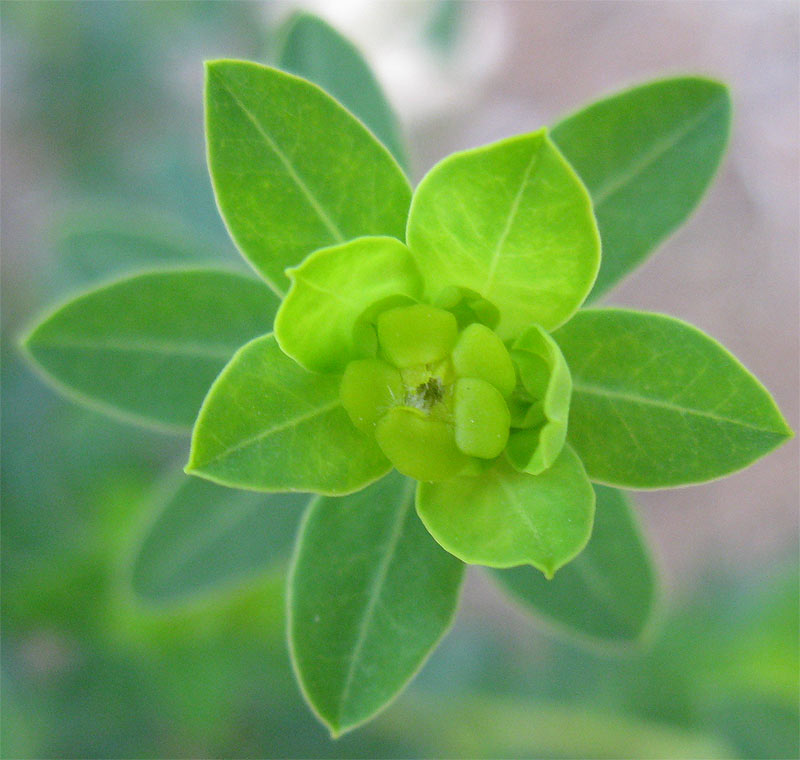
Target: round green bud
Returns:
[365, 334]
[480, 353]
[370, 387]
[481, 417]
[419, 445]
[413, 335]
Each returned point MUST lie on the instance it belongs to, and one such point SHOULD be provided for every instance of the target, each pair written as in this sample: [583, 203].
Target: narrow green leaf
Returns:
[315, 51]
[646, 156]
[608, 591]
[370, 596]
[292, 170]
[512, 222]
[269, 425]
[331, 289]
[656, 403]
[147, 347]
[205, 537]
[503, 518]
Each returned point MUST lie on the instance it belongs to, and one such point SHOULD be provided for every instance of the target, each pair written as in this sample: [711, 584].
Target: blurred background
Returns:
[103, 170]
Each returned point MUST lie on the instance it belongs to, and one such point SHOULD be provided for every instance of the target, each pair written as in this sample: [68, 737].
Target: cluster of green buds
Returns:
[435, 399]
[441, 395]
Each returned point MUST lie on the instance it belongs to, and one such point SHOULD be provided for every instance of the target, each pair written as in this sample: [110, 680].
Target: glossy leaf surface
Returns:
[315, 51]
[503, 518]
[331, 289]
[370, 595]
[206, 537]
[657, 403]
[147, 347]
[646, 155]
[269, 425]
[292, 170]
[512, 222]
[607, 592]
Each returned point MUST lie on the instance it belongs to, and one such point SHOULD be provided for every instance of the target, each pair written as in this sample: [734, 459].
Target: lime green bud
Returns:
[419, 445]
[481, 417]
[414, 335]
[480, 353]
[369, 388]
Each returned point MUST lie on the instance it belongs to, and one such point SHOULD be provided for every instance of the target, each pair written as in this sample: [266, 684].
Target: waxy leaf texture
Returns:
[267, 424]
[292, 170]
[370, 595]
[148, 346]
[657, 403]
[647, 156]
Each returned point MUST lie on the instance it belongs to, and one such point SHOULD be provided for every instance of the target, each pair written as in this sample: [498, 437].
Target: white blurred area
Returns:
[732, 269]
[423, 80]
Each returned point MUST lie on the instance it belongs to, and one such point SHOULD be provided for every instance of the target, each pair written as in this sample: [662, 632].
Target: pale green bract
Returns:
[144, 348]
[545, 377]
[503, 518]
[370, 595]
[267, 424]
[331, 289]
[292, 170]
[512, 222]
[656, 403]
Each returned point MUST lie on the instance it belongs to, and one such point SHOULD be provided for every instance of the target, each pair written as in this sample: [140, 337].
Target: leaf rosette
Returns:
[434, 332]
[440, 352]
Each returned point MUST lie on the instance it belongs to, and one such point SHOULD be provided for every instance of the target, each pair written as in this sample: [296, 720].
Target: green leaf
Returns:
[608, 591]
[370, 596]
[316, 51]
[331, 289]
[646, 156]
[512, 222]
[546, 379]
[269, 425]
[657, 403]
[503, 518]
[292, 170]
[97, 243]
[205, 537]
[146, 347]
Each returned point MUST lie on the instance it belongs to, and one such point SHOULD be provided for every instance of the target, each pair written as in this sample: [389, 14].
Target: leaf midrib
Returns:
[301, 184]
[649, 157]
[375, 593]
[190, 349]
[633, 398]
[512, 214]
[292, 421]
[520, 510]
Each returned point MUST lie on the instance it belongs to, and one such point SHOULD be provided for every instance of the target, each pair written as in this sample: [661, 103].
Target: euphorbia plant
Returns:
[437, 333]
